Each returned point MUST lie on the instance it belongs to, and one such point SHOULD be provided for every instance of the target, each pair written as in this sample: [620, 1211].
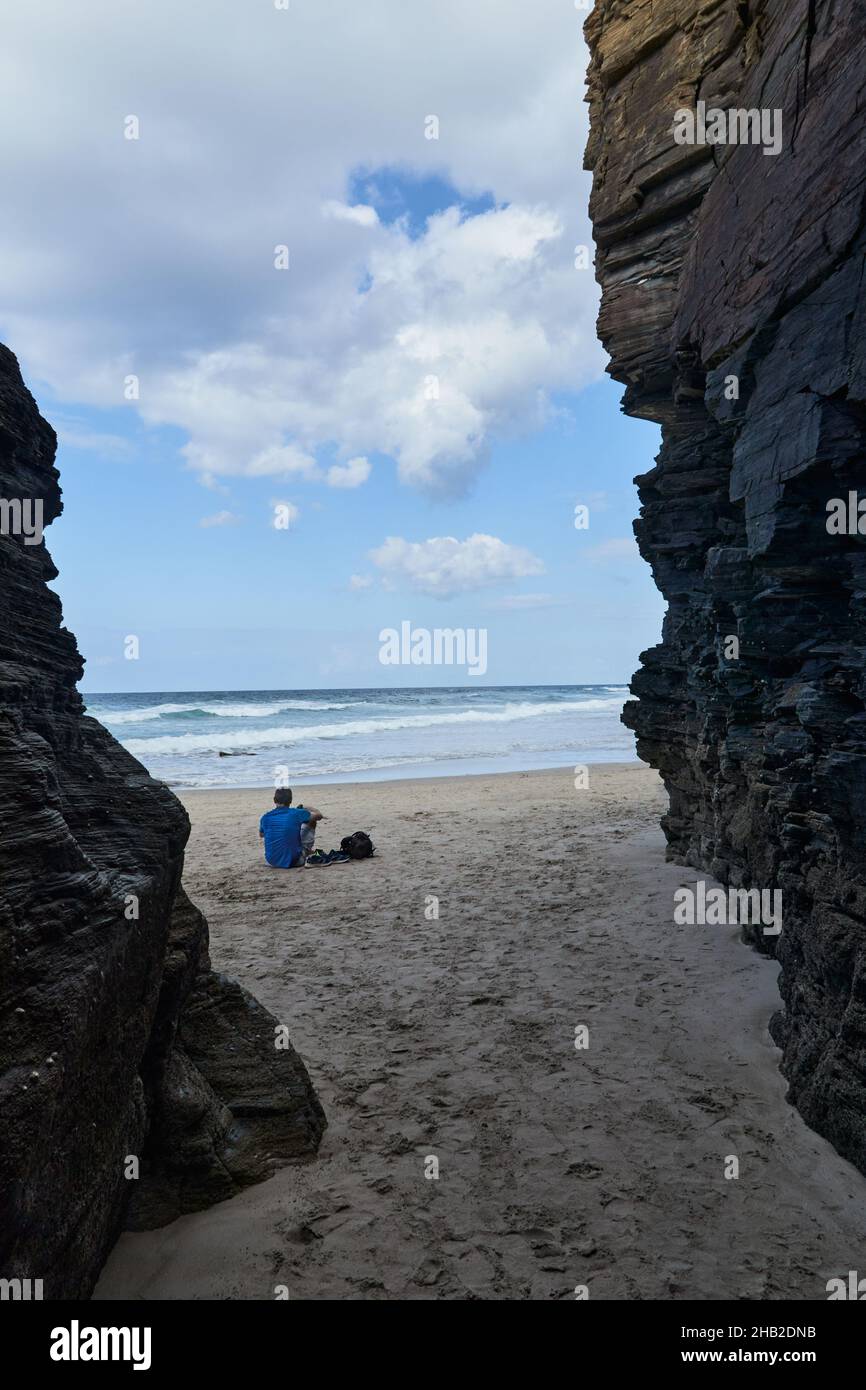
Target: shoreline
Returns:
[452, 1034]
[347, 781]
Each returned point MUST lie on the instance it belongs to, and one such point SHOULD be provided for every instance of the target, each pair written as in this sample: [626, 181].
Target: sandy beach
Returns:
[453, 1038]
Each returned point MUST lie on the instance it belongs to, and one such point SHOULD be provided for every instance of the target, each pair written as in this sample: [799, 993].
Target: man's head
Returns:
[283, 796]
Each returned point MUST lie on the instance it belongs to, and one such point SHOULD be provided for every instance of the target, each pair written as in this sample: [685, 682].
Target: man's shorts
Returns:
[308, 839]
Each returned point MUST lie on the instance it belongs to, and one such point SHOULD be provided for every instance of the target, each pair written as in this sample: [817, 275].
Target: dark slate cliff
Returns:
[116, 1037]
[720, 263]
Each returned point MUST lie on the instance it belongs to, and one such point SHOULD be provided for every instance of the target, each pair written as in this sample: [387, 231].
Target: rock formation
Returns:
[117, 1040]
[733, 309]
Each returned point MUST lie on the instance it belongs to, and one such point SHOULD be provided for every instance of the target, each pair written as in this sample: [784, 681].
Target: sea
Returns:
[258, 738]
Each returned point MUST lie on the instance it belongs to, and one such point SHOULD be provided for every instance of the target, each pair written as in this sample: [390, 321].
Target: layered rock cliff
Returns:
[733, 309]
[117, 1040]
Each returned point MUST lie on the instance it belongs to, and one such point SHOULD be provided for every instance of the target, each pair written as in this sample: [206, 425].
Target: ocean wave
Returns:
[181, 744]
[144, 716]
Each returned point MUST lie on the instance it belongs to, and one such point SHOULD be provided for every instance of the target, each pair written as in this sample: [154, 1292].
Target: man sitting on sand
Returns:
[288, 831]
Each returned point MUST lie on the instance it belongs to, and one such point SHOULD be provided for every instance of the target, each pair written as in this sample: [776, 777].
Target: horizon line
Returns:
[304, 689]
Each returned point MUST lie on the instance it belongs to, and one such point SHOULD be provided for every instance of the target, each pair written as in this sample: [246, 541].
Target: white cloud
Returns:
[360, 214]
[459, 339]
[220, 519]
[443, 566]
[282, 460]
[351, 474]
[357, 582]
[166, 269]
[107, 446]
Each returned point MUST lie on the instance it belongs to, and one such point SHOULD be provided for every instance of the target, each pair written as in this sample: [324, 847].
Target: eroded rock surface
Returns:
[116, 1037]
[725, 269]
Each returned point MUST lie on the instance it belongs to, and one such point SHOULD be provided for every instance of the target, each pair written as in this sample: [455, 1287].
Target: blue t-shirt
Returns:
[281, 828]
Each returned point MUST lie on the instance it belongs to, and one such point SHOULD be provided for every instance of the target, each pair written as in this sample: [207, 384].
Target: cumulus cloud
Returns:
[360, 214]
[426, 349]
[357, 582]
[351, 474]
[220, 519]
[443, 566]
[459, 338]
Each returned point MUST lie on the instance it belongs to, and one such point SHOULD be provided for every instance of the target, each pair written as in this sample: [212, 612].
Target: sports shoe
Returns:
[318, 859]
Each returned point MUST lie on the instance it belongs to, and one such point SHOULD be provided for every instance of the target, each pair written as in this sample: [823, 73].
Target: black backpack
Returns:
[358, 846]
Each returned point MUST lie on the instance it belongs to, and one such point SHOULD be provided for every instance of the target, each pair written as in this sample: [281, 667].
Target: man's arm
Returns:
[315, 815]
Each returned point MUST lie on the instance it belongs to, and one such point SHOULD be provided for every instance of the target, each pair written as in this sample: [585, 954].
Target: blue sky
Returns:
[421, 386]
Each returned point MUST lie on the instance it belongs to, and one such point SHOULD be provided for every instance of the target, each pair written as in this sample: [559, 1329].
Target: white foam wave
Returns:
[143, 716]
[181, 744]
